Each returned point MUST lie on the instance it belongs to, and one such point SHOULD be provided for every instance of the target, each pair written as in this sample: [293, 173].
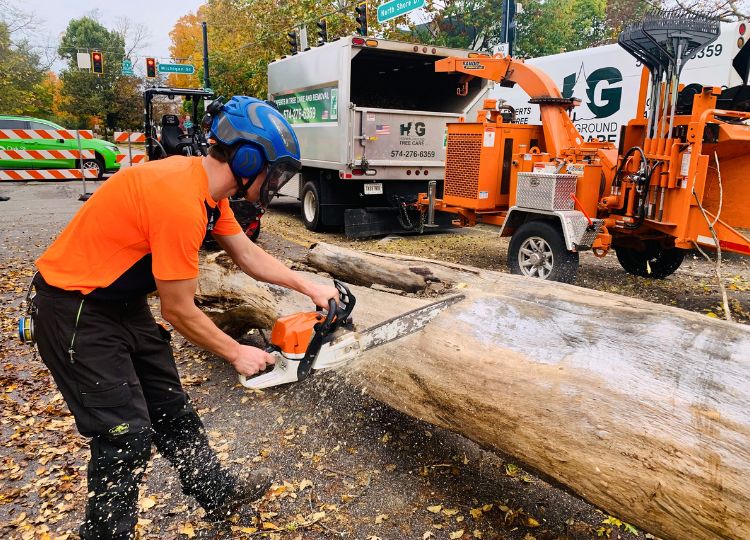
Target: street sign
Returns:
[127, 67]
[394, 8]
[184, 69]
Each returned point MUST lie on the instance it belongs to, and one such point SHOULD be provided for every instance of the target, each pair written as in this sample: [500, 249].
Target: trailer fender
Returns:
[577, 232]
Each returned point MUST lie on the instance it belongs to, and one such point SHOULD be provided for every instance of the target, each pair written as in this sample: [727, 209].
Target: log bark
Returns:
[639, 408]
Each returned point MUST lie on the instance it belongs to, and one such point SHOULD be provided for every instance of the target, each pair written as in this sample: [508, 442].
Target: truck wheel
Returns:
[653, 262]
[94, 164]
[311, 206]
[537, 249]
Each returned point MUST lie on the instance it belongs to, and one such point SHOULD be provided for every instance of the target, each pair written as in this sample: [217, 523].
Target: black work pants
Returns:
[114, 367]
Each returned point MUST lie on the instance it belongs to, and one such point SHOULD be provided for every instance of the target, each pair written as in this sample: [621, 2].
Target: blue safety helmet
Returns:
[257, 135]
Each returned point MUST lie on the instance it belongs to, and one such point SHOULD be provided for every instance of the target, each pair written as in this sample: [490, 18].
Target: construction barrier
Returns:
[46, 174]
[135, 159]
[28, 134]
[47, 154]
[128, 136]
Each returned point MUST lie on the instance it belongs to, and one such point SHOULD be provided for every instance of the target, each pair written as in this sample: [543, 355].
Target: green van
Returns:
[105, 152]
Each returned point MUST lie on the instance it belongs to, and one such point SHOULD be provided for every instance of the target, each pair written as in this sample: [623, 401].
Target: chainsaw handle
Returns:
[247, 381]
[332, 309]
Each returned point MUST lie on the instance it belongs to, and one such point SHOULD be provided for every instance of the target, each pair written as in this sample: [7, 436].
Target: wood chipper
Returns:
[679, 178]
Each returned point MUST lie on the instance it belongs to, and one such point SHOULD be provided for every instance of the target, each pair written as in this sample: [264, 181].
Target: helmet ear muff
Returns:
[247, 161]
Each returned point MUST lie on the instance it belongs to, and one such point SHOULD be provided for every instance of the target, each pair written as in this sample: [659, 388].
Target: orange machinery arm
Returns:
[561, 136]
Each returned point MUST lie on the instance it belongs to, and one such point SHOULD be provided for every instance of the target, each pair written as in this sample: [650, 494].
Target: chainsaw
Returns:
[307, 341]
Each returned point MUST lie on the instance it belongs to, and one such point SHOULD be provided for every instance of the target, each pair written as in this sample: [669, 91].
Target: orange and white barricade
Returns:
[43, 174]
[134, 159]
[130, 137]
[30, 134]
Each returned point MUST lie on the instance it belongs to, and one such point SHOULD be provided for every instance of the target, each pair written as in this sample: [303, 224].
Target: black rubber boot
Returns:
[248, 488]
[184, 443]
[115, 470]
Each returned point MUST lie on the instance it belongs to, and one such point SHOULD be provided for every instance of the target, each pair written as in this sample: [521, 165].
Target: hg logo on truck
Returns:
[603, 101]
[419, 129]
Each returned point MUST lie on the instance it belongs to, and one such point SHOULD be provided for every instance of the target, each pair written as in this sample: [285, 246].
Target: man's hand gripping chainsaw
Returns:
[307, 341]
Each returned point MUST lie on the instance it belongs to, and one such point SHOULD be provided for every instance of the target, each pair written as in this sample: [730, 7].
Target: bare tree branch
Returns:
[135, 35]
[18, 22]
[724, 10]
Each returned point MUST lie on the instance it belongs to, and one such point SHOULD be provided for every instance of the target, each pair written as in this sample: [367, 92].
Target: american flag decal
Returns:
[382, 129]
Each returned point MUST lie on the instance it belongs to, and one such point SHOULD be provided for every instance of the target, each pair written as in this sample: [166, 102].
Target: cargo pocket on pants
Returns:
[109, 408]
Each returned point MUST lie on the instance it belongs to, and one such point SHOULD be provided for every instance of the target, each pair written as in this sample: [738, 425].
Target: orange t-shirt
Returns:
[153, 213]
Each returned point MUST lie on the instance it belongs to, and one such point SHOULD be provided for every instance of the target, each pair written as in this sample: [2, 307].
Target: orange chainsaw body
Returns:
[292, 334]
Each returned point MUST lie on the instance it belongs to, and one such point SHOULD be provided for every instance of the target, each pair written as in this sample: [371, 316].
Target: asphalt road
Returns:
[346, 466]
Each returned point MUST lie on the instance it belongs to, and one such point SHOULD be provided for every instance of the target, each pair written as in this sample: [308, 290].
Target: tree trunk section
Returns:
[641, 409]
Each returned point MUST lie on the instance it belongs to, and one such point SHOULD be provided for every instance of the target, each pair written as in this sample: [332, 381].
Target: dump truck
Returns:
[370, 115]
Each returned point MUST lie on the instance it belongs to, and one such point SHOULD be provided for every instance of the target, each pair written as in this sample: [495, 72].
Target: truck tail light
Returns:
[371, 42]
[742, 29]
[371, 172]
[358, 172]
[740, 42]
[358, 41]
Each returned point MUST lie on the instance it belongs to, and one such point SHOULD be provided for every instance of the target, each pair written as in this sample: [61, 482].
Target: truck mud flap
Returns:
[367, 222]
[381, 221]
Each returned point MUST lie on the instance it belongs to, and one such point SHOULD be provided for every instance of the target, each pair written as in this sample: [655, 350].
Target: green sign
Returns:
[394, 8]
[127, 67]
[184, 69]
[316, 105]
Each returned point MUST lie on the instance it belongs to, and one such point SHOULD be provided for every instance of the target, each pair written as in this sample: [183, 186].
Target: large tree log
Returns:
[641, 409]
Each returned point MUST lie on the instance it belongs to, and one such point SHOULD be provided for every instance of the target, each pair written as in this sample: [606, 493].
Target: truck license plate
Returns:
[374, 189]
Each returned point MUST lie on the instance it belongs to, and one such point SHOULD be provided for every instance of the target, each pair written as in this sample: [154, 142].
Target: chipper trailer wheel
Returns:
[537, 249]
[653, 262]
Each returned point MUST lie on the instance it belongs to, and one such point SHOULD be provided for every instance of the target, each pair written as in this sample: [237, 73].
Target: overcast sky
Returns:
[158, 16]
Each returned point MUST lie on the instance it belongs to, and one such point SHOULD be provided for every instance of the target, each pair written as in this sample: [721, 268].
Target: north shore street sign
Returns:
[184, 69]
[394, 8]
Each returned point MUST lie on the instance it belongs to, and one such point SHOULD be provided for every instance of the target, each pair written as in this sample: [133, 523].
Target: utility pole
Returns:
[206, 79]
[508, 28]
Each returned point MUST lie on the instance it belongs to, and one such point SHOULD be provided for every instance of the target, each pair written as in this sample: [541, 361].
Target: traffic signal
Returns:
[97, 62]
[361, 10]
[322, 32]
[151, 68]
[293, 41]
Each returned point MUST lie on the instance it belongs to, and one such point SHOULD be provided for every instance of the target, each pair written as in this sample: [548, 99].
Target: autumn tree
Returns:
[463, 24]
[187, 47]
[246, 35]
[554, 26]
[20, 75]
[22, 71]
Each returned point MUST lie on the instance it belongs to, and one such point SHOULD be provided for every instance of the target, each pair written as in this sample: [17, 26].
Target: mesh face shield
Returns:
[279, 173]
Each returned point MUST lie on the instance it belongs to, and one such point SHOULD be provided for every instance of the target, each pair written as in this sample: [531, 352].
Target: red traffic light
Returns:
[150, 68]
[97, 64]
